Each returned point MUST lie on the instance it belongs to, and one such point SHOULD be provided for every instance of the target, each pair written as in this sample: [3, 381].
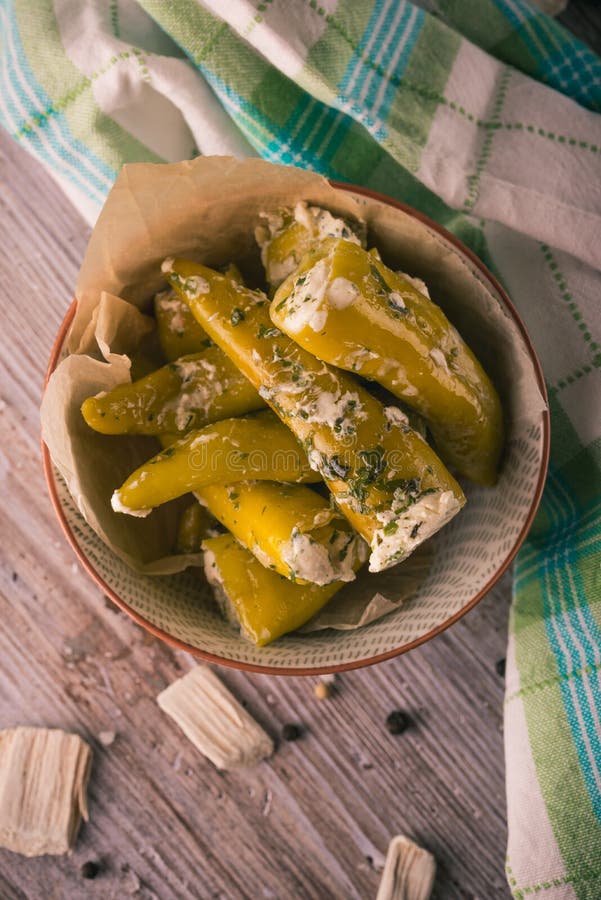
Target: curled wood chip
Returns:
[211, 717]
[44, 774]
[408, 872]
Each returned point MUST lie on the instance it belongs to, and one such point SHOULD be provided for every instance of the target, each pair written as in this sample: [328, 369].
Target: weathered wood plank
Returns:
[583, 18]
[315, 821]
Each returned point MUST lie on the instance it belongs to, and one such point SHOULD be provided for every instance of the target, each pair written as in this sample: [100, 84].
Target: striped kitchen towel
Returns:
[481, 113]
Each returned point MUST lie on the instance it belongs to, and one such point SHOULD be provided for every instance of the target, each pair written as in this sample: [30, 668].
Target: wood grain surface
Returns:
[315, 820]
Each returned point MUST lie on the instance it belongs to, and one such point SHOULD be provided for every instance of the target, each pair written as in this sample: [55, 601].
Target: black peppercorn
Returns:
[291, 732]
[90, 869]
[398, 721]
[500, 667]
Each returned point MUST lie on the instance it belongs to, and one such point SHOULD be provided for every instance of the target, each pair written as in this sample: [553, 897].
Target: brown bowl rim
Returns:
[389, 654]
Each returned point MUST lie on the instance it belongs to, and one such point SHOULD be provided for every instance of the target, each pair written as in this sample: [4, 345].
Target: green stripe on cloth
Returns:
[332, 55]
[562, 784]
[71, 92]
[516, 33]
[428, 69]
[268, 106]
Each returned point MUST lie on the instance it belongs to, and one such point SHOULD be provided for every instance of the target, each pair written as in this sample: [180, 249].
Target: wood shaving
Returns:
[44, 774]
[408, 872]
[211, 717]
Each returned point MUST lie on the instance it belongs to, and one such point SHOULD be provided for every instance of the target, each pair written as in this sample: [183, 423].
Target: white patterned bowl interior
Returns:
[469, 555]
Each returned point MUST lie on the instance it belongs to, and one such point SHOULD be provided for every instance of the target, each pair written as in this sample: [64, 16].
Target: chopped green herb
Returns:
[415, 529]
[406, 485]
[334, 468]
[272, 331]
[343, 553]
[377, 275]
[238, 315]
[391, 528]
[374, 464]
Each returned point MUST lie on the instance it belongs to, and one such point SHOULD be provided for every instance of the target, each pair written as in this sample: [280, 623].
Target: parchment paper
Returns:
[207, 209]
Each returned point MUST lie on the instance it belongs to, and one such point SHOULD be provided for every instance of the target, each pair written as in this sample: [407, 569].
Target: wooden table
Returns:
[313, 822]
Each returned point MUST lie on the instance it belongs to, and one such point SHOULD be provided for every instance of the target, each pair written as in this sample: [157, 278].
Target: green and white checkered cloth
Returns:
[481, 113]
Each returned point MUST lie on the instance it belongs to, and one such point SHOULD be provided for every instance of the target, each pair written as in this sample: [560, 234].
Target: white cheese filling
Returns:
[278, 271]
[395, 416]
[340, 412]
[168, 301]
[199, 389]
[417, 283]
[341, 293]
[305, 307]
[438, 357]
[320, 563]
[320, 223]
[313, 296]
[120, 507]
[402, 532]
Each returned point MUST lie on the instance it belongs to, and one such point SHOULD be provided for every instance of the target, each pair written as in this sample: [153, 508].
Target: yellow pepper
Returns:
[285, 236]
[232, 272]
[185, 394]
[261, 603]
[194, 526]
[178, 331]
[230, 450]
[289, 528]
[345, 306]
[384, 477]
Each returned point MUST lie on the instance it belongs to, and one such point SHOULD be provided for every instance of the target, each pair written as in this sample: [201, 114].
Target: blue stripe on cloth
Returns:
[588, 529]
[51, 138]
[271, 141]
[327, 137]
[302, 112]
[332, 126]
[334, 139]
[563, 602]
[563, 61]
[380, 53]
[516, 12]
[305, 137]
[406, 36]
[369, 38]
[365, 91]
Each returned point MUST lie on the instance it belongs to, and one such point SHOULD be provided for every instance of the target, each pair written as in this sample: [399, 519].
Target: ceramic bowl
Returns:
[469, 555]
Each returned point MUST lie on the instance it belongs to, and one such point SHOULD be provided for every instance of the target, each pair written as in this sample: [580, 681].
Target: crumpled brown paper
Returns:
[207, 209]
